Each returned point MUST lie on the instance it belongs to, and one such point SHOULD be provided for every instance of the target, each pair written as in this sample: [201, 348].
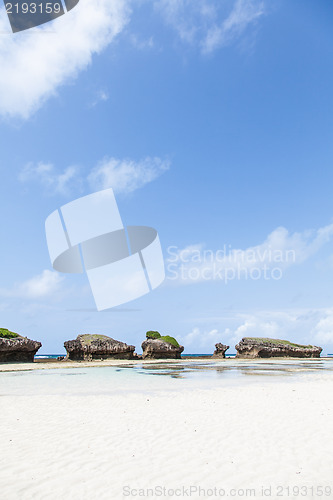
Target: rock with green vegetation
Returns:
[169, 340]
[6, 334]
[90, 347]
[157, 346]
[153, 335]
[256, 347]
[15, 348]
[220, 350]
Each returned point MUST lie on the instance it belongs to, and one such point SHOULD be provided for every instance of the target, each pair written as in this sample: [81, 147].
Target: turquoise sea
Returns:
[189, 374]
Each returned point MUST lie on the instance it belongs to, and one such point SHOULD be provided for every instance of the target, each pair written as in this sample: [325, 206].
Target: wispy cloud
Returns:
[53, 181]
[323, 330]
[280, 250]
[49, 59]
[100, 96]
[141, 43]
[126, 176]
[304, 326]
[203, 340]
[273, 324]
[44, 285]
[210, 24]
[244, 13]
[53, 55]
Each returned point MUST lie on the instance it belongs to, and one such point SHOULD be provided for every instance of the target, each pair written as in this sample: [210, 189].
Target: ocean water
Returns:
[55, 356]
[147, 378]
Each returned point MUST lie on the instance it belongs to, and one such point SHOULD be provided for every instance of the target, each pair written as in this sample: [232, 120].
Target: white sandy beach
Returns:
[226, 439]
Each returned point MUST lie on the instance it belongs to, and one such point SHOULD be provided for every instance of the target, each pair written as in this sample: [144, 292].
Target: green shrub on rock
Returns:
[266, 340]
[153, 335]
[6, 334]
[170, 340]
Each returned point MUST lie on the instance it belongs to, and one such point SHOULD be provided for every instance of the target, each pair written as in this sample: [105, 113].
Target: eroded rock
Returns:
[252, 347]
[160, 347]
[16, 348]
[220, 350]
[90, 347]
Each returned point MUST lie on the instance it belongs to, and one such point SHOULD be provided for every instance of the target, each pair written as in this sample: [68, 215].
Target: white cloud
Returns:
[303, 326]
[100, 96]
[35, 63]
[323, 330]
[189, 19]
[273, 324]
[45, 284]
[280, 250]
[142, 44]
[203, 340]
[126, 176]
[257, 327]
[244, 13]
[53, 181]
[210, 24]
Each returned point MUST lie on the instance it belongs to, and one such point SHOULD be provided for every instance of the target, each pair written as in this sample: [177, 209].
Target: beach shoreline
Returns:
[84, 437]
[47, 364]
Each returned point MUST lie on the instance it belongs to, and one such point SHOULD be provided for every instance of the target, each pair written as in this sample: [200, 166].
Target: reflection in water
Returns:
[231, 368]
[187, 373]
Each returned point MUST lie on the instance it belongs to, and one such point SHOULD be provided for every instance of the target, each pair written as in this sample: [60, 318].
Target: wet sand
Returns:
[121, 433]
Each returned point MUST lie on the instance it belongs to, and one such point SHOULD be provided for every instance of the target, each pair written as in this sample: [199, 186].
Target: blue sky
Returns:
[212, 121]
